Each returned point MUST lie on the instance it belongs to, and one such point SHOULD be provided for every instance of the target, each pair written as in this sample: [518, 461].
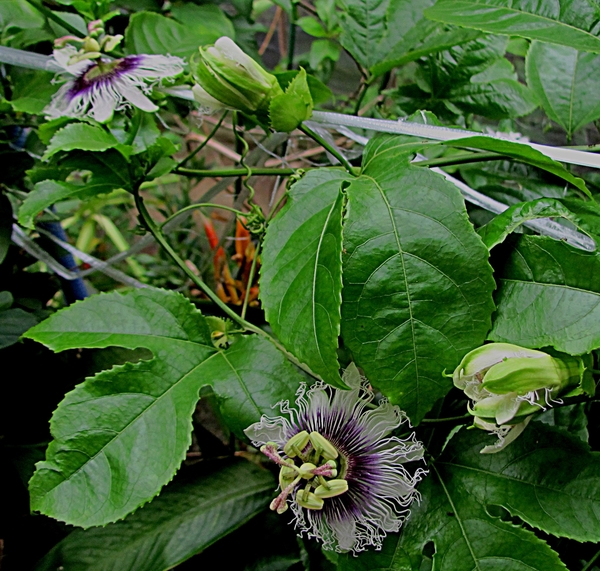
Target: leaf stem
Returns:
[325, 144]
[589, 564]
[250, 279]
[455, 419]
[52, 16]
[292, 36]
[203, 143]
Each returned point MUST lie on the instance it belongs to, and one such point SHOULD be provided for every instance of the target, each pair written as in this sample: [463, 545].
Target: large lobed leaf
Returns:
[189, 515]
[151, 33]
[383, 34]
[548, 479]
[121, 435]
[566, 81]
[417, 283]
[300, 284]
[549, 294]
[571, 23]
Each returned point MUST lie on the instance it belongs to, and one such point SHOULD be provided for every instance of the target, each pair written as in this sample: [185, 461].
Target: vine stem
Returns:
[264, 171]
[446, 420]
[199, 205]
[589, 564]
[292, 36]
[457, 159]
[203, 143]
[154, 229]
[325, 144]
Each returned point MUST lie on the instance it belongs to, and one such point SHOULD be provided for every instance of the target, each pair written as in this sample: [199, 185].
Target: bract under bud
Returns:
[233, 78]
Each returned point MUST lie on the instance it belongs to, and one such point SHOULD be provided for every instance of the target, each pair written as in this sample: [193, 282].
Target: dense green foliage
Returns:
[143, 342]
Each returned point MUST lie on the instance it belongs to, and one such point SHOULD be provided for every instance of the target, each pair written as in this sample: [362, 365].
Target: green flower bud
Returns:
[508, 384]
[331, 489]
[233, 79]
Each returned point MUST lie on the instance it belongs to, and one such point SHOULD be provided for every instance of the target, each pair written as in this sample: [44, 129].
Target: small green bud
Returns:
[308, 500]
[296, 444]
[323, 446]
[233, 79]
[332, 488]
[109, 43]
[91, 45]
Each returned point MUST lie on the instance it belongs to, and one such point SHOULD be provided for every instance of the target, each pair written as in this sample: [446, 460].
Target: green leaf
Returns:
[424, 39]
[6, 222]
[566, 82]
[249, 378]
[19, 14]
[454, 519]
[497, 99]
[151, 33]
[109, 172]
[32, 90]
[208, 22]
[473, 77]
[312, 27]
[371, 29]
[498, 229]
[300, 282]
[43, 195]
[288, 110]
[549, 295]
[417, 284]
[522, 153]
[189, 515]
[120, 436]
[511, 182]
[80, 136]
[566, 22]
[13, 323]
[321, 50]
[547, 478]
[140, 132]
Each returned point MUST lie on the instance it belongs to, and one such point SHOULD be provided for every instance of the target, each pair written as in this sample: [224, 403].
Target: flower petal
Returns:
[135, 96]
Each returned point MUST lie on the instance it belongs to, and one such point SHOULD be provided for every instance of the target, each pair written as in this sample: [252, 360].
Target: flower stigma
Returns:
[315, 455]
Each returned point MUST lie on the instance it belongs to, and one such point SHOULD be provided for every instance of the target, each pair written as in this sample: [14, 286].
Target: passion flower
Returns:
[342, 476]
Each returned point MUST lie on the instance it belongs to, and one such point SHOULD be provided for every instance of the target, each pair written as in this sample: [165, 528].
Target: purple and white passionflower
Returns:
[99, 87]
[341, 474]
